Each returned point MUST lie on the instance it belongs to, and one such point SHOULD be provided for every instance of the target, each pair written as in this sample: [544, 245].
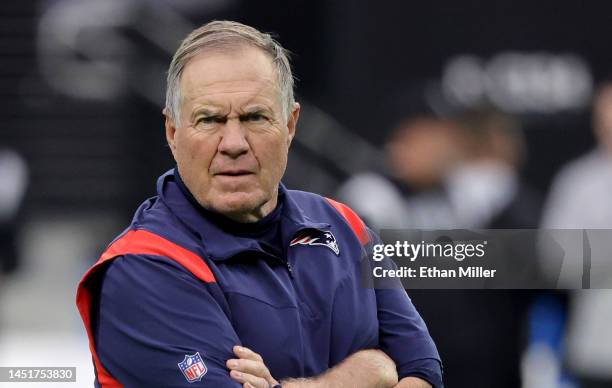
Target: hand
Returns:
[249, 369]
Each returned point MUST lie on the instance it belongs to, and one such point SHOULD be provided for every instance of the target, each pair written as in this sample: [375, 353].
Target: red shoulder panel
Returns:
[133, 242]
[353, 219]
[147, 243]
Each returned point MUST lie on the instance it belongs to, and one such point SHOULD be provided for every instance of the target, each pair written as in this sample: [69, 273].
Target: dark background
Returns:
[365, 63]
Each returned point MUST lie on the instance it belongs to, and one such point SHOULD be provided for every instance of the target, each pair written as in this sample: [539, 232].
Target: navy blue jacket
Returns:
[174, 293]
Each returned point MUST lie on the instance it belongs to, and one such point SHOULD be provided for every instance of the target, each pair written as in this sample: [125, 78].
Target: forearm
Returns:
[364, 369]
[412, 382]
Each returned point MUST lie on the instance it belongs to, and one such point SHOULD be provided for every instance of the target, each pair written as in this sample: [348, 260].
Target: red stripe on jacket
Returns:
[353, 219]
[133, 242]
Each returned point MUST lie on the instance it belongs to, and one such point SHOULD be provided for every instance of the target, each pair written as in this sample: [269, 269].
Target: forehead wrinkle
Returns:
[220, 99]
[213, 73]
[229, 85]
[206, 70]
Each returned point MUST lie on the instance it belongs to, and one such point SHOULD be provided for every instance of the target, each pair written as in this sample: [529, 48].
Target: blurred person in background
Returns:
[229, 278]
[410, 193]
[486, 191]
[442, 173]
[460, 173]
[581, 198]
[485, 187]
[580, 194]
[14, 178]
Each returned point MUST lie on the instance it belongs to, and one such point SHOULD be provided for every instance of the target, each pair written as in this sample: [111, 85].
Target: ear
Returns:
[170, 130]
[292, 122]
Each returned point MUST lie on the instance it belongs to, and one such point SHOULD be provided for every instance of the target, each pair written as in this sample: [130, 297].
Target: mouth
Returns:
[234, 173]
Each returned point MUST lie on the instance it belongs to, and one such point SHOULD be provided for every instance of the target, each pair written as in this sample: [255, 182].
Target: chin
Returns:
[236, 204]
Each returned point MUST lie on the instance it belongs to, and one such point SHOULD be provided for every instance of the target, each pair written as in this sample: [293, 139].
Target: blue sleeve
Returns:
[403, 335]
[428, 369]
[151, 314]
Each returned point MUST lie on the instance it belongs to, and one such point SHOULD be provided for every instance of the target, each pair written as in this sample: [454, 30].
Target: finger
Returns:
[245, 378]
[255, 368]
[247, 353]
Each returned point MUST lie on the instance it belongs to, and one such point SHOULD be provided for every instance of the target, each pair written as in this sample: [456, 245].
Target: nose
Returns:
[233, 141]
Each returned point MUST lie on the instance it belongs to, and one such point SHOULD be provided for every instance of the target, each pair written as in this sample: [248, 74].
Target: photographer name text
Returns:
[434, 272]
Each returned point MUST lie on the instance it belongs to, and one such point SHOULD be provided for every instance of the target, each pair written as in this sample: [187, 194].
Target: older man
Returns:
[226, 278]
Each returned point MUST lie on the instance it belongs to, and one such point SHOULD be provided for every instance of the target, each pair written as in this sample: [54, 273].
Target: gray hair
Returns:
[221, 34]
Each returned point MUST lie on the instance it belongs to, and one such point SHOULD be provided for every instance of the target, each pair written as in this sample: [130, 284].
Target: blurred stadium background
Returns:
[81, 144]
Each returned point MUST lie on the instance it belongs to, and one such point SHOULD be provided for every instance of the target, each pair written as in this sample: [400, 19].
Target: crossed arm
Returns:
[140, 342]
[369, 368]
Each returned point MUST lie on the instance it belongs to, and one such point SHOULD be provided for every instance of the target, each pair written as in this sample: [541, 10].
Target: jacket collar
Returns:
[217, 243]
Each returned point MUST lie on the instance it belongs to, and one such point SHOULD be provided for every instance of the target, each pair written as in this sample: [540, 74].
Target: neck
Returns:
[256, 214]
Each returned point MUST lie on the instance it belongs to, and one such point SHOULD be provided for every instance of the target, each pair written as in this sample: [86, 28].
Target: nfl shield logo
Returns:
[193, 367]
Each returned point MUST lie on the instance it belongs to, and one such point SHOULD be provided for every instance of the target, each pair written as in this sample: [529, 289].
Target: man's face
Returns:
[231, 147]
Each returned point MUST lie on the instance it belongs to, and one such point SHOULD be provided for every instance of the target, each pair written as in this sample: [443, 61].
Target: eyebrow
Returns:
[256, 109]
[208, 112]
[213, 111]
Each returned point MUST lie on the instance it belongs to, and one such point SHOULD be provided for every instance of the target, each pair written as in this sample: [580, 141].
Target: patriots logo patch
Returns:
[316, 237]
[193, 367]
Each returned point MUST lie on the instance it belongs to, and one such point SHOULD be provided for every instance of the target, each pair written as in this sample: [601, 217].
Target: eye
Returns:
[254, 117]
[208, 120]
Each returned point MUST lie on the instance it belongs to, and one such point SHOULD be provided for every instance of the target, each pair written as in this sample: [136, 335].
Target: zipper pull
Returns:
[289, 269]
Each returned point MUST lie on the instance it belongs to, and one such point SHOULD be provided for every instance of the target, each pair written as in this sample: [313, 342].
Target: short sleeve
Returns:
[152, 316]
